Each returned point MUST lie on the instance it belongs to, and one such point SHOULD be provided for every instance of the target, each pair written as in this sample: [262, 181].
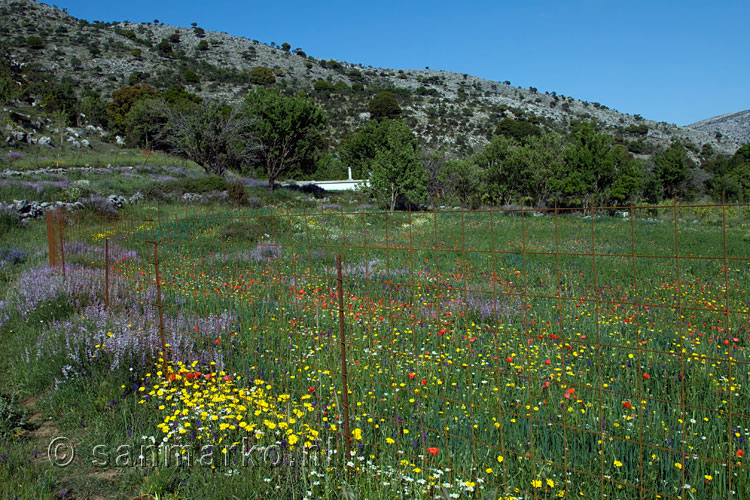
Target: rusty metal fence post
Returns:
[161, 309]
[61, 225]
[342, 342]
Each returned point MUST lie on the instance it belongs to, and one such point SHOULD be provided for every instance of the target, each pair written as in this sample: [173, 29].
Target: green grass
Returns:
[423, 309]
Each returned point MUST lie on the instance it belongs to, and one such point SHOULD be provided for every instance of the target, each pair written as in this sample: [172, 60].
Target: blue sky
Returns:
[670, 61]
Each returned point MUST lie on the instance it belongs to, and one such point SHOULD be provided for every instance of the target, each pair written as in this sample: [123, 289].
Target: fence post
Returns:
[342, 342]
[106, 274]
[161, 310]
[51, 238]
[61, 225]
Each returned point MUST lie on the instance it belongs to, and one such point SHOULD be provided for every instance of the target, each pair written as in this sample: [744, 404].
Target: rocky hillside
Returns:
[734, 126]
[447, 110]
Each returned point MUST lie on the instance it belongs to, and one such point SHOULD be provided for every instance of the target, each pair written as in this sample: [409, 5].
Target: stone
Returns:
[85, 143]
[119, 140]
[45, 141]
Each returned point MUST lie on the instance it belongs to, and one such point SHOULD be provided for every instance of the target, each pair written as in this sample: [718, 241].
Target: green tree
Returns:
[123, 99]
[518, 130]
[397, 173]
[285, 47]
[460, 182]
[359, 149]
[673, 170]
[384, 106]
[215, 137]
[260, 75]
[323, 86]
[588, 167]
[287, 130]
[490, 164]
[202, 45]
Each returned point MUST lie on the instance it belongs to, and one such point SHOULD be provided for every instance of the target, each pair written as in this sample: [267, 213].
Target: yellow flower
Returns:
[357, 433]
[618, 463]
[536, 483]
[678, 465]
[500, 459]
[550, 483]
[708, 477]
[389, 441]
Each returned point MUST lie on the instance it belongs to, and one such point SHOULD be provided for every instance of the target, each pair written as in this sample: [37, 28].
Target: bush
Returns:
[384, 105]
[260, 75]
[9, 219]
[154, 193]
[34, 42]
[202, 45]
[322, 86]
[201, 184]
[236, 192]
[190, 76]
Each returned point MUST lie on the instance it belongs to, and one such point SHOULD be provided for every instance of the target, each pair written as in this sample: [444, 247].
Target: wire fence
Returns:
[548, 353]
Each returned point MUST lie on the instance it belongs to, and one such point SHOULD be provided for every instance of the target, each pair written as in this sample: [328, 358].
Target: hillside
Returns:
[454, 111]
[734, 126]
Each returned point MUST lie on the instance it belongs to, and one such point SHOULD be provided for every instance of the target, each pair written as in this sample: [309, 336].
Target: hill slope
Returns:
[447, 110]
[735, 126]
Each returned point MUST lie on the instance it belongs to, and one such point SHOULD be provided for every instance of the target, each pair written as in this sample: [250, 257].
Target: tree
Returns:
[519, 130]
[202, 45]
[287, 130]
[123, 99]
[285, 47]
[588, 167]
[260, 75]
[215, 137]
[397, 173]
[384, 106]
[323, 86]
[459, 178]
[673, 170]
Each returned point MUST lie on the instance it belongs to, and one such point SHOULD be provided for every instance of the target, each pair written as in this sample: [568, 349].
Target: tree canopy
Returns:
[287, 130]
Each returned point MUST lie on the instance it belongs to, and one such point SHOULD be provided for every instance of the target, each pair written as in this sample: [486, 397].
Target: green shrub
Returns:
[190, 76]
[201, 184]
[202, 45]
[236, 192]
[34, 42]
[260, 75]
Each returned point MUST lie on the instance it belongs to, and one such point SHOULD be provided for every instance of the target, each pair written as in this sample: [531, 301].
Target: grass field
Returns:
[489, 355]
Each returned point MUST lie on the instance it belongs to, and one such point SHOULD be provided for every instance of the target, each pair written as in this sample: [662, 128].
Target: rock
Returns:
[45, 141]
[137, 197]
[192, 198]
[85, 143]
[119, 140]
[116, 201]
[18, 135]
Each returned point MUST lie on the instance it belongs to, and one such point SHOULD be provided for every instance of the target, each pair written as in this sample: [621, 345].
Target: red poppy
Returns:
[412, 375]
[646, 376]
[424, 381]
[740, 453]
[311, 389]
[627, 404]
[547, 362]
[509, 359]
[227, 378]
[433, 451]
[172, 376]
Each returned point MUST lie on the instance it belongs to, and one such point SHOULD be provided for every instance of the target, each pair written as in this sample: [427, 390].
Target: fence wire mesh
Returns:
[538, 353]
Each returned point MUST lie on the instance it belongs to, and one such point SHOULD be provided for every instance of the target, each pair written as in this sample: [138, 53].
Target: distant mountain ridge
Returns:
[735, 126]
[448, 111]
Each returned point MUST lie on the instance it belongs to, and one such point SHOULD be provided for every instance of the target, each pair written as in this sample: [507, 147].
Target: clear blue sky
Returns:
[673, 61]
